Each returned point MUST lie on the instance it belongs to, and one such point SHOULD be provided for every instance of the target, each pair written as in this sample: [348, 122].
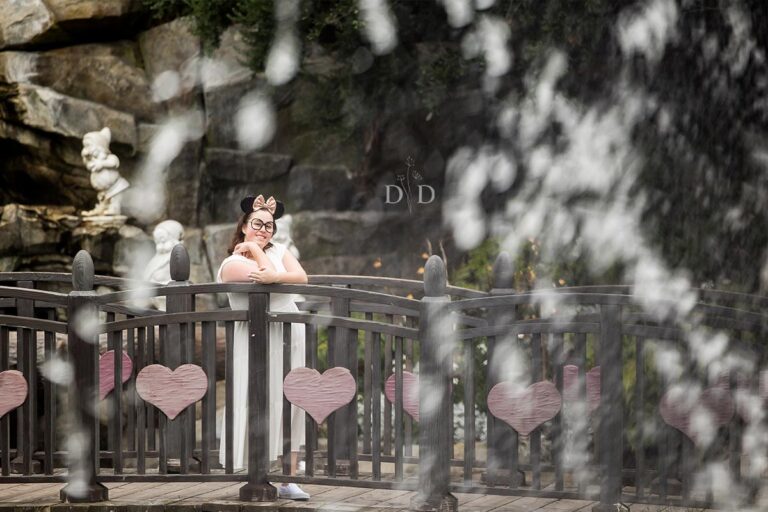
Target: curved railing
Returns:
[464, 342]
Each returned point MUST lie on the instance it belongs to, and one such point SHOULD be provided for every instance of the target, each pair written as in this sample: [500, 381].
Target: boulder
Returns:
[224, 66]
[329, 233]
[200, 269]
[223, 201]
[34, 229]
[244, 167]
[171, 47]
[34, 22]
[365, 243]
[109, 74]
[217, 238]
[47, 110]
[23, 22]
[221, 104]
[183, 186]
[320, 188]
[133, 251]
[89, 10]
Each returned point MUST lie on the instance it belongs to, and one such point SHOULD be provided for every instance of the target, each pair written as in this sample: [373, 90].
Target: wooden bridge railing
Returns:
[565, 381]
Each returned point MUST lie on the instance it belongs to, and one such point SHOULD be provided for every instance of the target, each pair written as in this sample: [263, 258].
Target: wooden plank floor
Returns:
[223, 497]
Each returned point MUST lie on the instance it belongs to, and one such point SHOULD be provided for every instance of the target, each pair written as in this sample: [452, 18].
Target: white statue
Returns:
[104, 175]
[167, 235]
[283, 234]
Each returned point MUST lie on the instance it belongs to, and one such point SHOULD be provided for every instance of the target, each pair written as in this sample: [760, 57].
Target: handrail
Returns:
[408, 284]
[348, 323]
[65, 277]
[174, 318]
[568, 298]
[33, 294]
[33, 323]
[303, 289]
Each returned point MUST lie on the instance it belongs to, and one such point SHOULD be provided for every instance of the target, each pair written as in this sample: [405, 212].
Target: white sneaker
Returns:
[292, 492]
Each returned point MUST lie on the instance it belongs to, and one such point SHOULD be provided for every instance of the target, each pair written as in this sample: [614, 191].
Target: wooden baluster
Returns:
[209, 400]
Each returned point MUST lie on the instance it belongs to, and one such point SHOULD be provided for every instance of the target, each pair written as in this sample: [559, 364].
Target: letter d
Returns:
[399, 197]
[431, 198]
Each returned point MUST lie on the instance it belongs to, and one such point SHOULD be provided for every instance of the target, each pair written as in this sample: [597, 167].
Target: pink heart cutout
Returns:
[677, 408]
[107, 372]
[524, 409]
[317, 394]
[171, 391]
[13, 390]
[571, 389]
[410, 393]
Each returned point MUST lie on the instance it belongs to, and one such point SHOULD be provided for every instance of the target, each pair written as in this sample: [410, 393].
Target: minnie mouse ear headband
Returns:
[273, 206]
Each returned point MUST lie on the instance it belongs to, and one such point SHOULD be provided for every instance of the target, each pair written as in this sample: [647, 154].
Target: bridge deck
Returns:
[218, 496]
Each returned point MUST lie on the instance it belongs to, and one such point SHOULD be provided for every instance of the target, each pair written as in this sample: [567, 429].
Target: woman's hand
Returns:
[247, 248]
[263, 276]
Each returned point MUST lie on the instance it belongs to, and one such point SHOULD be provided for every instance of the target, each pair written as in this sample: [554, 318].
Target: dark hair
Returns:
[239, 236]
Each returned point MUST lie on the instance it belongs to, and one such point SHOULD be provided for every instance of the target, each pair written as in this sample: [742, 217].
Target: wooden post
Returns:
[502, 439]
[258, 487]
[610, 428]
[83, 354]
[435, 444]
[178, 449]
[344, 421]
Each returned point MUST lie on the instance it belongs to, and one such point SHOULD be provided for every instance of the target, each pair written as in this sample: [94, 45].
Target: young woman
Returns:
[255, 258]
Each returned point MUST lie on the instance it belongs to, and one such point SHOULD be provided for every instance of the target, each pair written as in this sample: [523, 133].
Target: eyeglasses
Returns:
[257, 224]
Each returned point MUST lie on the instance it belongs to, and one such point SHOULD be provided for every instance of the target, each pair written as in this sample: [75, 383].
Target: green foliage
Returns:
[476, 271]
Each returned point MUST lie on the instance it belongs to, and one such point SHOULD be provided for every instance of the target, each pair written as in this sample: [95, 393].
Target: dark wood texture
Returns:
[434, 394]
[258, 487]
[611, 411]
[83, 355]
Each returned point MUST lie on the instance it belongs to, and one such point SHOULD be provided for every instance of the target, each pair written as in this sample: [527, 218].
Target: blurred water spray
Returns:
[379, 25]
[78, 475]
[58, 371]
[165, 86]
[460, 12]
[86, 323]
[255, 121]
[489, 39]
[147, 196]
[648, 31]
[284, 56]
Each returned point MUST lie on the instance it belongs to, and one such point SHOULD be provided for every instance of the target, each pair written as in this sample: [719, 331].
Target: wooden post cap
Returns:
[82, 272]
[179, 263]
[503, 273]
[435, 277]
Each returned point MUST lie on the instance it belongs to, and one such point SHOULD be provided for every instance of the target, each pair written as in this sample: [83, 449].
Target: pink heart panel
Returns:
[171, 391]
[13, 390]
[677, 408]
[571, 389]
[524, 409]
[107, 372]
[317, 394]
[410, 393]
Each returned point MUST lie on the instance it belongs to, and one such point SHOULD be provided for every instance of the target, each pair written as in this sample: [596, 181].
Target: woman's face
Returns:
[265, 223]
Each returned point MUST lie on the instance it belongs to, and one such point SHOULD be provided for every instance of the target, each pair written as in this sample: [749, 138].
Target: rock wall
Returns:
[68, 67]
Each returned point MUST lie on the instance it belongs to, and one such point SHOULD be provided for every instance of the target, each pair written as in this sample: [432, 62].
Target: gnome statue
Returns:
[104, 175]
